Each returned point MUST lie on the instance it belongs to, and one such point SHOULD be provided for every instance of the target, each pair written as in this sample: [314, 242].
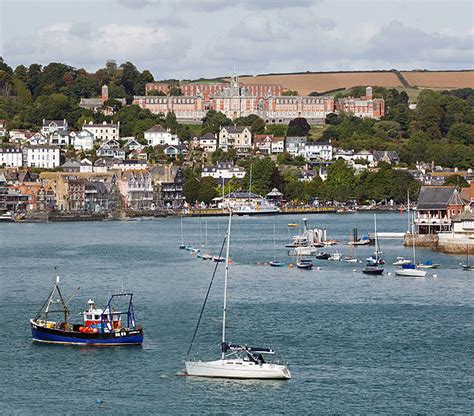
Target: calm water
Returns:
[355, 344]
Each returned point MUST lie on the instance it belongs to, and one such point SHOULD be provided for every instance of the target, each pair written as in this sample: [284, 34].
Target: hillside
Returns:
[321, 82]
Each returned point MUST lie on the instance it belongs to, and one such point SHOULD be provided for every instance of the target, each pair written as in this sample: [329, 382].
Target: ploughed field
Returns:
[331, 81]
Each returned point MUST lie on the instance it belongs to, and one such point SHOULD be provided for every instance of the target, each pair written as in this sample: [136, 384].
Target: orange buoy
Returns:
[265, 264]
[230, 261]
[81, 329]
[95, 330]
[258, 263]
[290, 265]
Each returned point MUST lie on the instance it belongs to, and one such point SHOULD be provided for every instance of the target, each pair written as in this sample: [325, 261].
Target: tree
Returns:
[332, 118]
[258, 126]
[461, 133]
[191, 186]
[298, 127]
[207, 190]
[156, 93]
[290, 93]
[262, 172]
[213, 121]
[340, 181]
[314, 188]
[456, 180]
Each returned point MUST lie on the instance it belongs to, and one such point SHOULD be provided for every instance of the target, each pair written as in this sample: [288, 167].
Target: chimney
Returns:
[472, 190]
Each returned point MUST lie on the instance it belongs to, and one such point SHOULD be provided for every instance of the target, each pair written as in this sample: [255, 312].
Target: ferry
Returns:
[101, 327]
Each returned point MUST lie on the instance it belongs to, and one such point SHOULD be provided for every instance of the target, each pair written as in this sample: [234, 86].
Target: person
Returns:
[260, 359]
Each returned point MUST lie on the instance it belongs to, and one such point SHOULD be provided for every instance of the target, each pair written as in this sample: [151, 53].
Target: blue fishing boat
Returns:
[101, 327]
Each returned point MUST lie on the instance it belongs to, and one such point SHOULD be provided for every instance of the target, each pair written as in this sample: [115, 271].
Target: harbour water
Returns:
[355, 343]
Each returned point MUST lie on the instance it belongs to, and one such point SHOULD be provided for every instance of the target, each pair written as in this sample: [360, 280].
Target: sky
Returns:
[189, 39]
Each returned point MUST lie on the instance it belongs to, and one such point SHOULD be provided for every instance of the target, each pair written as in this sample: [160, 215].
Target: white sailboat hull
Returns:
[410, 273]
[237, 368]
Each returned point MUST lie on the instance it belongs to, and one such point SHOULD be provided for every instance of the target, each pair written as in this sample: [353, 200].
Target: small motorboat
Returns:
[293, 224]
[373, 270]
[304, 264]
[428, 265]
[409, 270]
[336, 256]
[7, 217]
[218, 259]
[277, 264]
[330, 242]
[468, 267]
[323, 256]
[374, 260]
[206, 256]
[349, 259]
[195, 250]
[400, 261]
[182, 247]
[189, 247]
[101, 327]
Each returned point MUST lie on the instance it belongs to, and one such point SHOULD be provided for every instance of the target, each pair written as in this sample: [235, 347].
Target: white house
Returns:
[11, 157]
[132, 144]
[83, 140]
[269, 144]
[157, 135]
[294, 144]
[42, 156]
[3, 130]
[224, 170]
[207, 142]
[59, 138]
[239, 138]
[316, 151]
[50, 126]
[36, 139]
[103, 132]
[111, 149]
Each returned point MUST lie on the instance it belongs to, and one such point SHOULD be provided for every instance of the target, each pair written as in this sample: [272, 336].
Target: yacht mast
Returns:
[376, 239]
[224, 309]
[408, 212]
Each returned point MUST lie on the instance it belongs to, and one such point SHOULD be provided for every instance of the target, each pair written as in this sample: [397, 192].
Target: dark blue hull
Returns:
[58, 336]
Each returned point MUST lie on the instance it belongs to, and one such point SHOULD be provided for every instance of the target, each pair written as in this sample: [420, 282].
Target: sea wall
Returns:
[447, 243]
[421, 240]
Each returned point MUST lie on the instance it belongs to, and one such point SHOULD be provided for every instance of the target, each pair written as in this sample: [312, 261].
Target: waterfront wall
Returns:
[447, 243]
[421, 240]
[444, 242]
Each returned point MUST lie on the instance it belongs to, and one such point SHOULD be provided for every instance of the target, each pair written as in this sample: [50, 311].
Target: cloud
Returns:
[396, 43]
[65, 43]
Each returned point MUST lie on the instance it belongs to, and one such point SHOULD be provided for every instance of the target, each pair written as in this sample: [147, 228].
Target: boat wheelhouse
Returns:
[100, 327]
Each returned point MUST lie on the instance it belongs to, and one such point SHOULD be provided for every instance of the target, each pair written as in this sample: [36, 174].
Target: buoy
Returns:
[258, 263]
[95, 330]
[389, 273]
[265, 264]
[435, 275]
[318, 268]
[99, 401]
[81, 329]
[290, 265]
[230, 261]
[354, 270]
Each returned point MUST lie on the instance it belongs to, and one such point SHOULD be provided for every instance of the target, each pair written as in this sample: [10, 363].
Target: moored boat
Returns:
[101, 327]
[428, 265]
[409, 270]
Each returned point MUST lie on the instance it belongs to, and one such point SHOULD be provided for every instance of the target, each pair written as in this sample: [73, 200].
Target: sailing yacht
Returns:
[410, 270]
[375, 262]
[467, 266]
[237, 361]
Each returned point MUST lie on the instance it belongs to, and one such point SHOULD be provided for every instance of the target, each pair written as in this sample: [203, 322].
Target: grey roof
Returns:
[435, 197]
[456, 199]
[156, 129]
[208, 135]
[58, 122]
[380, 154]
[235, 129]
[464, 216]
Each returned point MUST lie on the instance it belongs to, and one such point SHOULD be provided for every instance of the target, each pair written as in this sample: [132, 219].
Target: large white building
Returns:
[157, 135]
[312, 151]
[103, 132]
[239, 138]
[224, 170]
[11, 157]
[42, 156]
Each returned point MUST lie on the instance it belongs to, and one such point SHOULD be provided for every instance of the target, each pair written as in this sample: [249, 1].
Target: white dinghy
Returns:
[237, 361]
